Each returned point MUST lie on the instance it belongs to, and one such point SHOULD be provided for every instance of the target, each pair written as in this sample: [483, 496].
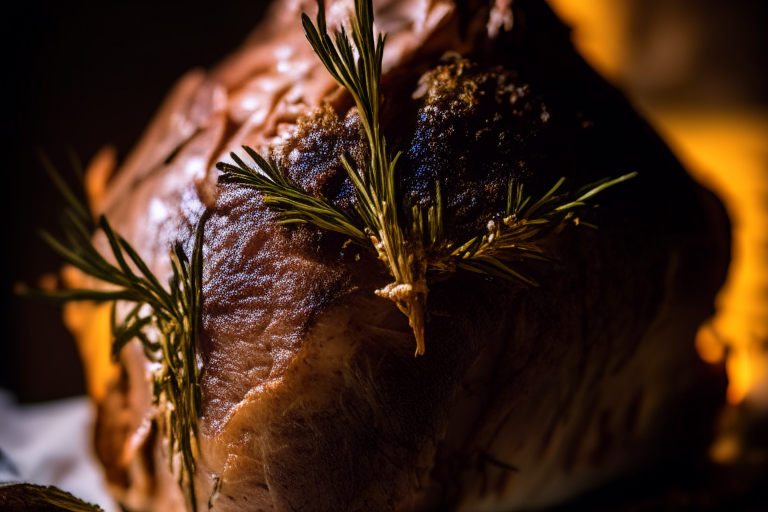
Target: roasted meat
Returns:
[312, 398]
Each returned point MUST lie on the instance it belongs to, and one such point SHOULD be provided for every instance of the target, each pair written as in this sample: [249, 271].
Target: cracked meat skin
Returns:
[312, 399]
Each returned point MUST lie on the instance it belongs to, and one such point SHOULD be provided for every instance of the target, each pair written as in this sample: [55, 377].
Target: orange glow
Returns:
[709, 346]
[725, 449]
[596, 32]
[726, 151]
[100, 169]
[89, 324]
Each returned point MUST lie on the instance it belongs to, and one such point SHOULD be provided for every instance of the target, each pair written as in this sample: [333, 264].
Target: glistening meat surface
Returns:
[312, 399]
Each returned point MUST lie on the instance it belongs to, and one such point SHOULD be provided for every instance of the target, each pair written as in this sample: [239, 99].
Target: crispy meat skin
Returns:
[526, 396]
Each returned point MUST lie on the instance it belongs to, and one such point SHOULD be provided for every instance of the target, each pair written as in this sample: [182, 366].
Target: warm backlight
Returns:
[726, 151]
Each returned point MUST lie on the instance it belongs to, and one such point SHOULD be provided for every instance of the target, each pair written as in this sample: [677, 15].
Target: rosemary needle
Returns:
[409, 242]
[164, 319]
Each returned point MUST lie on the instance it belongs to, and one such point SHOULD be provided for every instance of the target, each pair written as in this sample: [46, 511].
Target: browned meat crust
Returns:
[526, 396]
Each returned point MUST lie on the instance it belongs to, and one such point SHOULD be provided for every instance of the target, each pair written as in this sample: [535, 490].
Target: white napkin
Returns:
[52, 444]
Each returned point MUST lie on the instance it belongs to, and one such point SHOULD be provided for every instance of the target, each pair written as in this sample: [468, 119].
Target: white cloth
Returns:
[52, 444]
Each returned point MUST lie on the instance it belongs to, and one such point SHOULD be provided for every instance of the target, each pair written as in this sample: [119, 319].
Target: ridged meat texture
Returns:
[312, 399]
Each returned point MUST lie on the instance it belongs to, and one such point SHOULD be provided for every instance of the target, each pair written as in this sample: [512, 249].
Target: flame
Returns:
[596, 32]
[726, 151]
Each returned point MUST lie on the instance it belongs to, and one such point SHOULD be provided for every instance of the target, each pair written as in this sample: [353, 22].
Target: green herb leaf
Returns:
[411, 245]
[375, 184]
[164, 320]
[517, 236]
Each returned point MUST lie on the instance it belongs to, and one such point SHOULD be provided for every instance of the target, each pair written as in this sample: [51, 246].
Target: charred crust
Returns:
[312, 157]
[470, 126]
[476, 128]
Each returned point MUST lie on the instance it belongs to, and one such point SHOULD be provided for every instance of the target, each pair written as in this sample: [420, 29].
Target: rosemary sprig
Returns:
[282, 194]
[374, 184]
[408, 240]
[516, 236]
[165, 321]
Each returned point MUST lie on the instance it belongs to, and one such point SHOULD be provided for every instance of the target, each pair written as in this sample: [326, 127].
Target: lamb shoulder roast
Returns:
[312, 398]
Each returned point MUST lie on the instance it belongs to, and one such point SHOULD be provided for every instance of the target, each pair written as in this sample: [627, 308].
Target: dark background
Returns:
[79, 75]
